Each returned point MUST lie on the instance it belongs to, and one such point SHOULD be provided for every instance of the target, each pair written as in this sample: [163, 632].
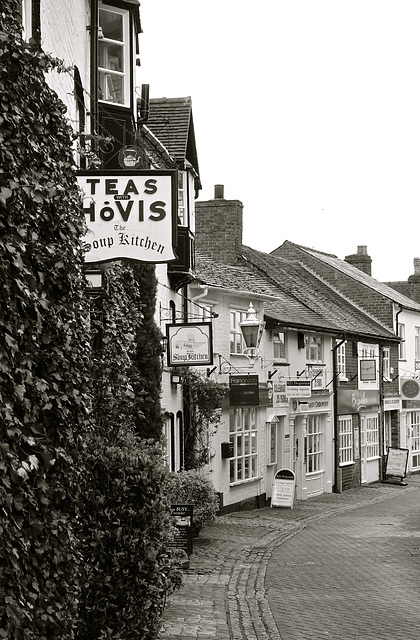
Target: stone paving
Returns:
[327, 568]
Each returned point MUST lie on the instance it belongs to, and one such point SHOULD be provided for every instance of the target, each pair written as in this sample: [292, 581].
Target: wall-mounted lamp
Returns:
[176, 378]
[252, 330]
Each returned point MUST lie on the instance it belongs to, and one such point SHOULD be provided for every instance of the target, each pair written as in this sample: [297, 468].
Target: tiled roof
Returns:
[171, 121]
[297, 297]
[355, 273]
[316, 297]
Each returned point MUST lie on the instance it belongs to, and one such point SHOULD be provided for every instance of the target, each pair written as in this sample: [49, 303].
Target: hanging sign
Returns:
[189, 344]
[243, 390]
[130, 214]
[298, 388]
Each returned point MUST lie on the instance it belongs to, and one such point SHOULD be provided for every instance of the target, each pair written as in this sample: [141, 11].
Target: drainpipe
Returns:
[337, 469]
[94, 28]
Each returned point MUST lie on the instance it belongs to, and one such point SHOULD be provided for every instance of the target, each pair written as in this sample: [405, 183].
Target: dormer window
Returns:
[114, 63]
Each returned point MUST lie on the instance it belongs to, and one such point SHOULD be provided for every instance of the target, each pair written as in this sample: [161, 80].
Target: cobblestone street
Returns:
[339, 566]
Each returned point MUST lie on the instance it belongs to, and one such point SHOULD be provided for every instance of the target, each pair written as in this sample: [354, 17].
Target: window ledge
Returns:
[346, 464]
[248, 481]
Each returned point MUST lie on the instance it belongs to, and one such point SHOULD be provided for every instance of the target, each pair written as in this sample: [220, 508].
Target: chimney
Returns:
[361, 260]
[218, 227]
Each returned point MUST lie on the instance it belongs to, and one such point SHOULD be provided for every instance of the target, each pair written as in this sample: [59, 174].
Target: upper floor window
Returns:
[386, 363]
[417, 343]
[182, 208]
[401, 348]
[313, 346]
[279, 345]
[237, 343]
[114, 64]
[341, 360]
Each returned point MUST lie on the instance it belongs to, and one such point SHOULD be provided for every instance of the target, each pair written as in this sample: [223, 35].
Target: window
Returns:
[387, 430]
[279, 345]
[341, 361]
[401, 334]
[243, 435]
[372, 436]
[386, 363]
[113, 56]
[203, 312]
[313, 346]
[182, 209]
[417, 343]
[27, 18]
[237, 344]
[314, 444]
[345, 427]
[272, 443]
[415, 438]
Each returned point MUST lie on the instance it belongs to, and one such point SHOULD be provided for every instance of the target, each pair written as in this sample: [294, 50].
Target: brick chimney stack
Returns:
[361, 260]
[218, 228]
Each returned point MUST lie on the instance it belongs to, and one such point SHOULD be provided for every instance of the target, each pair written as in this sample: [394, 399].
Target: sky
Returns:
[307, 111]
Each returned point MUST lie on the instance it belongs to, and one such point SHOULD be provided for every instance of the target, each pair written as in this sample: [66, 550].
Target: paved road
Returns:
[338, 566]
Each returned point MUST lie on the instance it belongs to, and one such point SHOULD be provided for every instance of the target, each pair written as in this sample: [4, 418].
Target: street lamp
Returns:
[251, 329]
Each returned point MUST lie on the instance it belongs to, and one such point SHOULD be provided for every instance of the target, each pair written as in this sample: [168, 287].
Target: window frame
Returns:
[401, 345]
[243, 434]
[386, 364]
[125, 43]
[314, 436]
[236, 316]
[345, 437]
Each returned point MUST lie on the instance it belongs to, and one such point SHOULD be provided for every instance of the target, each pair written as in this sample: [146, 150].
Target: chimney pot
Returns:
[219, 190]
[362, 250]
[416, 266]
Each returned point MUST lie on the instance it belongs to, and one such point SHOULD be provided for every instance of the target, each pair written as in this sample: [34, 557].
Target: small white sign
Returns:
[298, 388]
[129, 214]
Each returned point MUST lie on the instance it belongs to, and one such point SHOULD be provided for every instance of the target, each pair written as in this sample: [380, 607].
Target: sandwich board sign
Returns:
[283, 492]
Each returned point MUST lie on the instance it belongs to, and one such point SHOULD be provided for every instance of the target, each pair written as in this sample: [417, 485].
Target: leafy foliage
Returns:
[125, 518]
[203, 401]
[84, 521]
[44, 387]
[193, 487]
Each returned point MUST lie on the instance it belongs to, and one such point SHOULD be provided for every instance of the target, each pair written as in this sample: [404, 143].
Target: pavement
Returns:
[343, 566]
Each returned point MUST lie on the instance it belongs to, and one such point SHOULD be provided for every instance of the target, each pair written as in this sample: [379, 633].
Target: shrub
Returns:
[193, 487]
[126, 528]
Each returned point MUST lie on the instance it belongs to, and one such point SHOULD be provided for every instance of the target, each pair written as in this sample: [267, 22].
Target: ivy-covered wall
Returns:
[84, 523]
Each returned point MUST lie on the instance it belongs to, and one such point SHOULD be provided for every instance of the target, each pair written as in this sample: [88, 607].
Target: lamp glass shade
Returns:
[250, 328]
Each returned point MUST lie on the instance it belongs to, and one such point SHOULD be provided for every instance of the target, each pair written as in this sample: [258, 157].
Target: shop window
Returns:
[114, 66]
[314, 451]
[272, 443]
[345, 429]
[243, 436]
[237, 344]
[415, 438]
[370, 431]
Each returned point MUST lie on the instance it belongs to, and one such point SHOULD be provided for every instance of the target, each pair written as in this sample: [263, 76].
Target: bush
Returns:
[126, 530]
[193, 487]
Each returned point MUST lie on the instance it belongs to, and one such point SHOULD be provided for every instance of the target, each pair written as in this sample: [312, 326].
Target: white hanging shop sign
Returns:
[130, 214]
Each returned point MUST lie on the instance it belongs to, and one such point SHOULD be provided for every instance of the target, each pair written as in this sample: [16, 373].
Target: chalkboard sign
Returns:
[183, 539]
[396, 462]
